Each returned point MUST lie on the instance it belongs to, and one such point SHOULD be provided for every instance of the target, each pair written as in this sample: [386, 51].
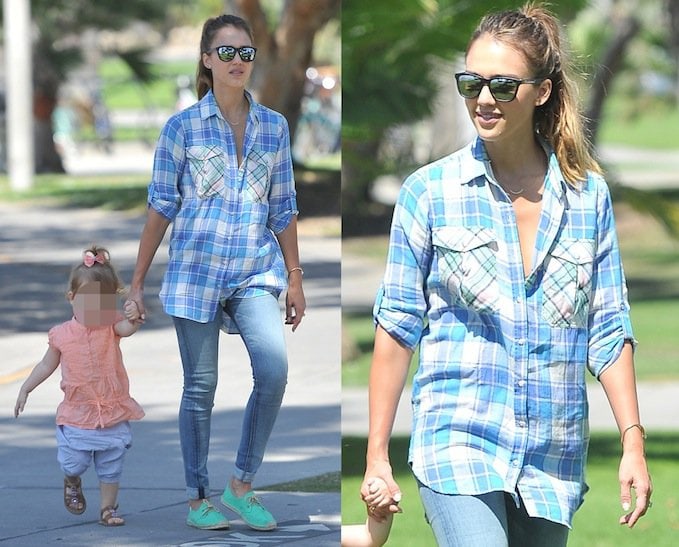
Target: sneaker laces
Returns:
[254, 500]
[207, 508]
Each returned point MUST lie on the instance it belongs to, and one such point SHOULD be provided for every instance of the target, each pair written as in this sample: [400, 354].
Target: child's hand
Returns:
[131, 311]
[379, 501]
[21, 402]
[378, 492]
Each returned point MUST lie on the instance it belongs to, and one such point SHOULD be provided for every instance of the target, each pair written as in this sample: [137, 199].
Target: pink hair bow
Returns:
[89, 258]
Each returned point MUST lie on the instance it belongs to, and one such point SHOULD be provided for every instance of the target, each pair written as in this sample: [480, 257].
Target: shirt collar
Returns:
[479, 165]
[208, 106]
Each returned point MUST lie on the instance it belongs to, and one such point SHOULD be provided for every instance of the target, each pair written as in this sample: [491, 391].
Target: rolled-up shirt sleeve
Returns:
[609, 317]
[282, 194]
[168, 165]
[400, 307]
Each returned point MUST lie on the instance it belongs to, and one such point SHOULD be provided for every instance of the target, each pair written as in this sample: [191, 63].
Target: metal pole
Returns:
[18, 69]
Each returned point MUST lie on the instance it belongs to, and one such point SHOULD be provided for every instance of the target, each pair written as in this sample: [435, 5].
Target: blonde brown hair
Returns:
[536, 33]
[204, 80]
[101, 270]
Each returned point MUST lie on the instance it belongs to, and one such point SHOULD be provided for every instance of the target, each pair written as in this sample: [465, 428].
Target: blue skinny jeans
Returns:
[260, 325]
[487, 520]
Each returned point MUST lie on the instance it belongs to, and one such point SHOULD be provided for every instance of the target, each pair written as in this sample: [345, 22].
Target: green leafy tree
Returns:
[390, 46]
[618, 44]
[389, 50]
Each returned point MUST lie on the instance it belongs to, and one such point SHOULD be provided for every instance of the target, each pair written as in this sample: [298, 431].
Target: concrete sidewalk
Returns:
[38, 248]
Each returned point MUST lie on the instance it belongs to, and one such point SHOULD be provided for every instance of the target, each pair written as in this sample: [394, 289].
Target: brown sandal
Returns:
[110, 517]
[74, 499]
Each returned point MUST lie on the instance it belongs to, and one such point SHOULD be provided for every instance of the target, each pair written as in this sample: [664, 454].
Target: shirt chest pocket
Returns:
[206, 165]
[466, 259]
[258, 174]
[567, 283]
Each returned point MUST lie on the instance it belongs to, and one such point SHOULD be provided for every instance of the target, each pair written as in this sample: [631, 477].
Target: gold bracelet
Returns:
[296, 269]
[641, 428]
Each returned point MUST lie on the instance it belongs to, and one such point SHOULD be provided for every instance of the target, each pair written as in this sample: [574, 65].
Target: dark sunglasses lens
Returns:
[226, 53]
[469, 86]
[247, 54]
[503, 89]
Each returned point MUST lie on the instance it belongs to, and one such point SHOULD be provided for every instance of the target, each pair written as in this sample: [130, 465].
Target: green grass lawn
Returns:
[652, 127]
[327, 482]
[317, 188]
[596, 523]
[116, 192]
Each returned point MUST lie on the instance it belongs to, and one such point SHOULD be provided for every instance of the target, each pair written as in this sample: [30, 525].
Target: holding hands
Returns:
[134, 307]
[131, 311]
[380, 492]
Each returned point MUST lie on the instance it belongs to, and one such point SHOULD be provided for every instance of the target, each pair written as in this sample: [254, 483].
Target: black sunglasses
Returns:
[227, 53]
[502, 88]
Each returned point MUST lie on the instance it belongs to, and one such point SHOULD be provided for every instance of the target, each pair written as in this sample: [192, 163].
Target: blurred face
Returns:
[234, 73]
[503, 122]
[92, 307]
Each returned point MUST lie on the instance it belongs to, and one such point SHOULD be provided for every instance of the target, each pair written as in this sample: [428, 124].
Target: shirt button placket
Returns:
[520, 354]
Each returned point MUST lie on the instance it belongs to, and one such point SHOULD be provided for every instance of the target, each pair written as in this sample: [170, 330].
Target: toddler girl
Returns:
[92, 420]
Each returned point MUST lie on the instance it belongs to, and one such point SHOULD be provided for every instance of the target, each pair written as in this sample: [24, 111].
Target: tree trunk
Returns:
[625, 29]
[46, 84]
[673, 10]
[284, 55]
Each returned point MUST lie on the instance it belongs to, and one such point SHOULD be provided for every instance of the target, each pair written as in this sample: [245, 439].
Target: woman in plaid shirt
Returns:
[223, 177]
[504, 269]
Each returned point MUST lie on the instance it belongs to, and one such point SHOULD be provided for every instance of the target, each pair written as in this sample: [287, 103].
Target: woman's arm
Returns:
[619, 383]
[39, 374]
[295, 303]
[388, 373]
[151, 237]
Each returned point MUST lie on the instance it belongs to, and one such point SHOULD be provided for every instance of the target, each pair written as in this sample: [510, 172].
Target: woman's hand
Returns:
[380, 502]
[134, 306]
[295, 303]
[131, 311]
[633, 474]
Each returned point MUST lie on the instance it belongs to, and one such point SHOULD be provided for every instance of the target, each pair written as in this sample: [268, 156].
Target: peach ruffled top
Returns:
[93, 378]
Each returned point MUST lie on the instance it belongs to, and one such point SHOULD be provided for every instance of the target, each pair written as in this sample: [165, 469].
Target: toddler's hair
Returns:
[95, 267]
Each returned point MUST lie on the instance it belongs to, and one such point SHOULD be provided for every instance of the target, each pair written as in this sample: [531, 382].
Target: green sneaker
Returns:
[250, 509]
[207, 517]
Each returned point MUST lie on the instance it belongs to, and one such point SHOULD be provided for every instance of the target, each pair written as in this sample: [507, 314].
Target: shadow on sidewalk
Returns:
[304, 443]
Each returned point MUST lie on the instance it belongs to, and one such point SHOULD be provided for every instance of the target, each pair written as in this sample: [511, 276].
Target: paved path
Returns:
[37, 249]
[642, 169]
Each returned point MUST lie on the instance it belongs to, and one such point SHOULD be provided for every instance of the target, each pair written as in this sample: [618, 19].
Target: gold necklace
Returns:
[233, 123]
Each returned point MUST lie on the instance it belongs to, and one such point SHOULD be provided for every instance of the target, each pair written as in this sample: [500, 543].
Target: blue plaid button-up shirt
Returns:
[225, 216]
[499, 397]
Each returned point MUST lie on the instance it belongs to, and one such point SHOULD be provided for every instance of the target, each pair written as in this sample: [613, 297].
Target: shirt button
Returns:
[521, 341]
[521, 424]
[515, 463]
[521, 383]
